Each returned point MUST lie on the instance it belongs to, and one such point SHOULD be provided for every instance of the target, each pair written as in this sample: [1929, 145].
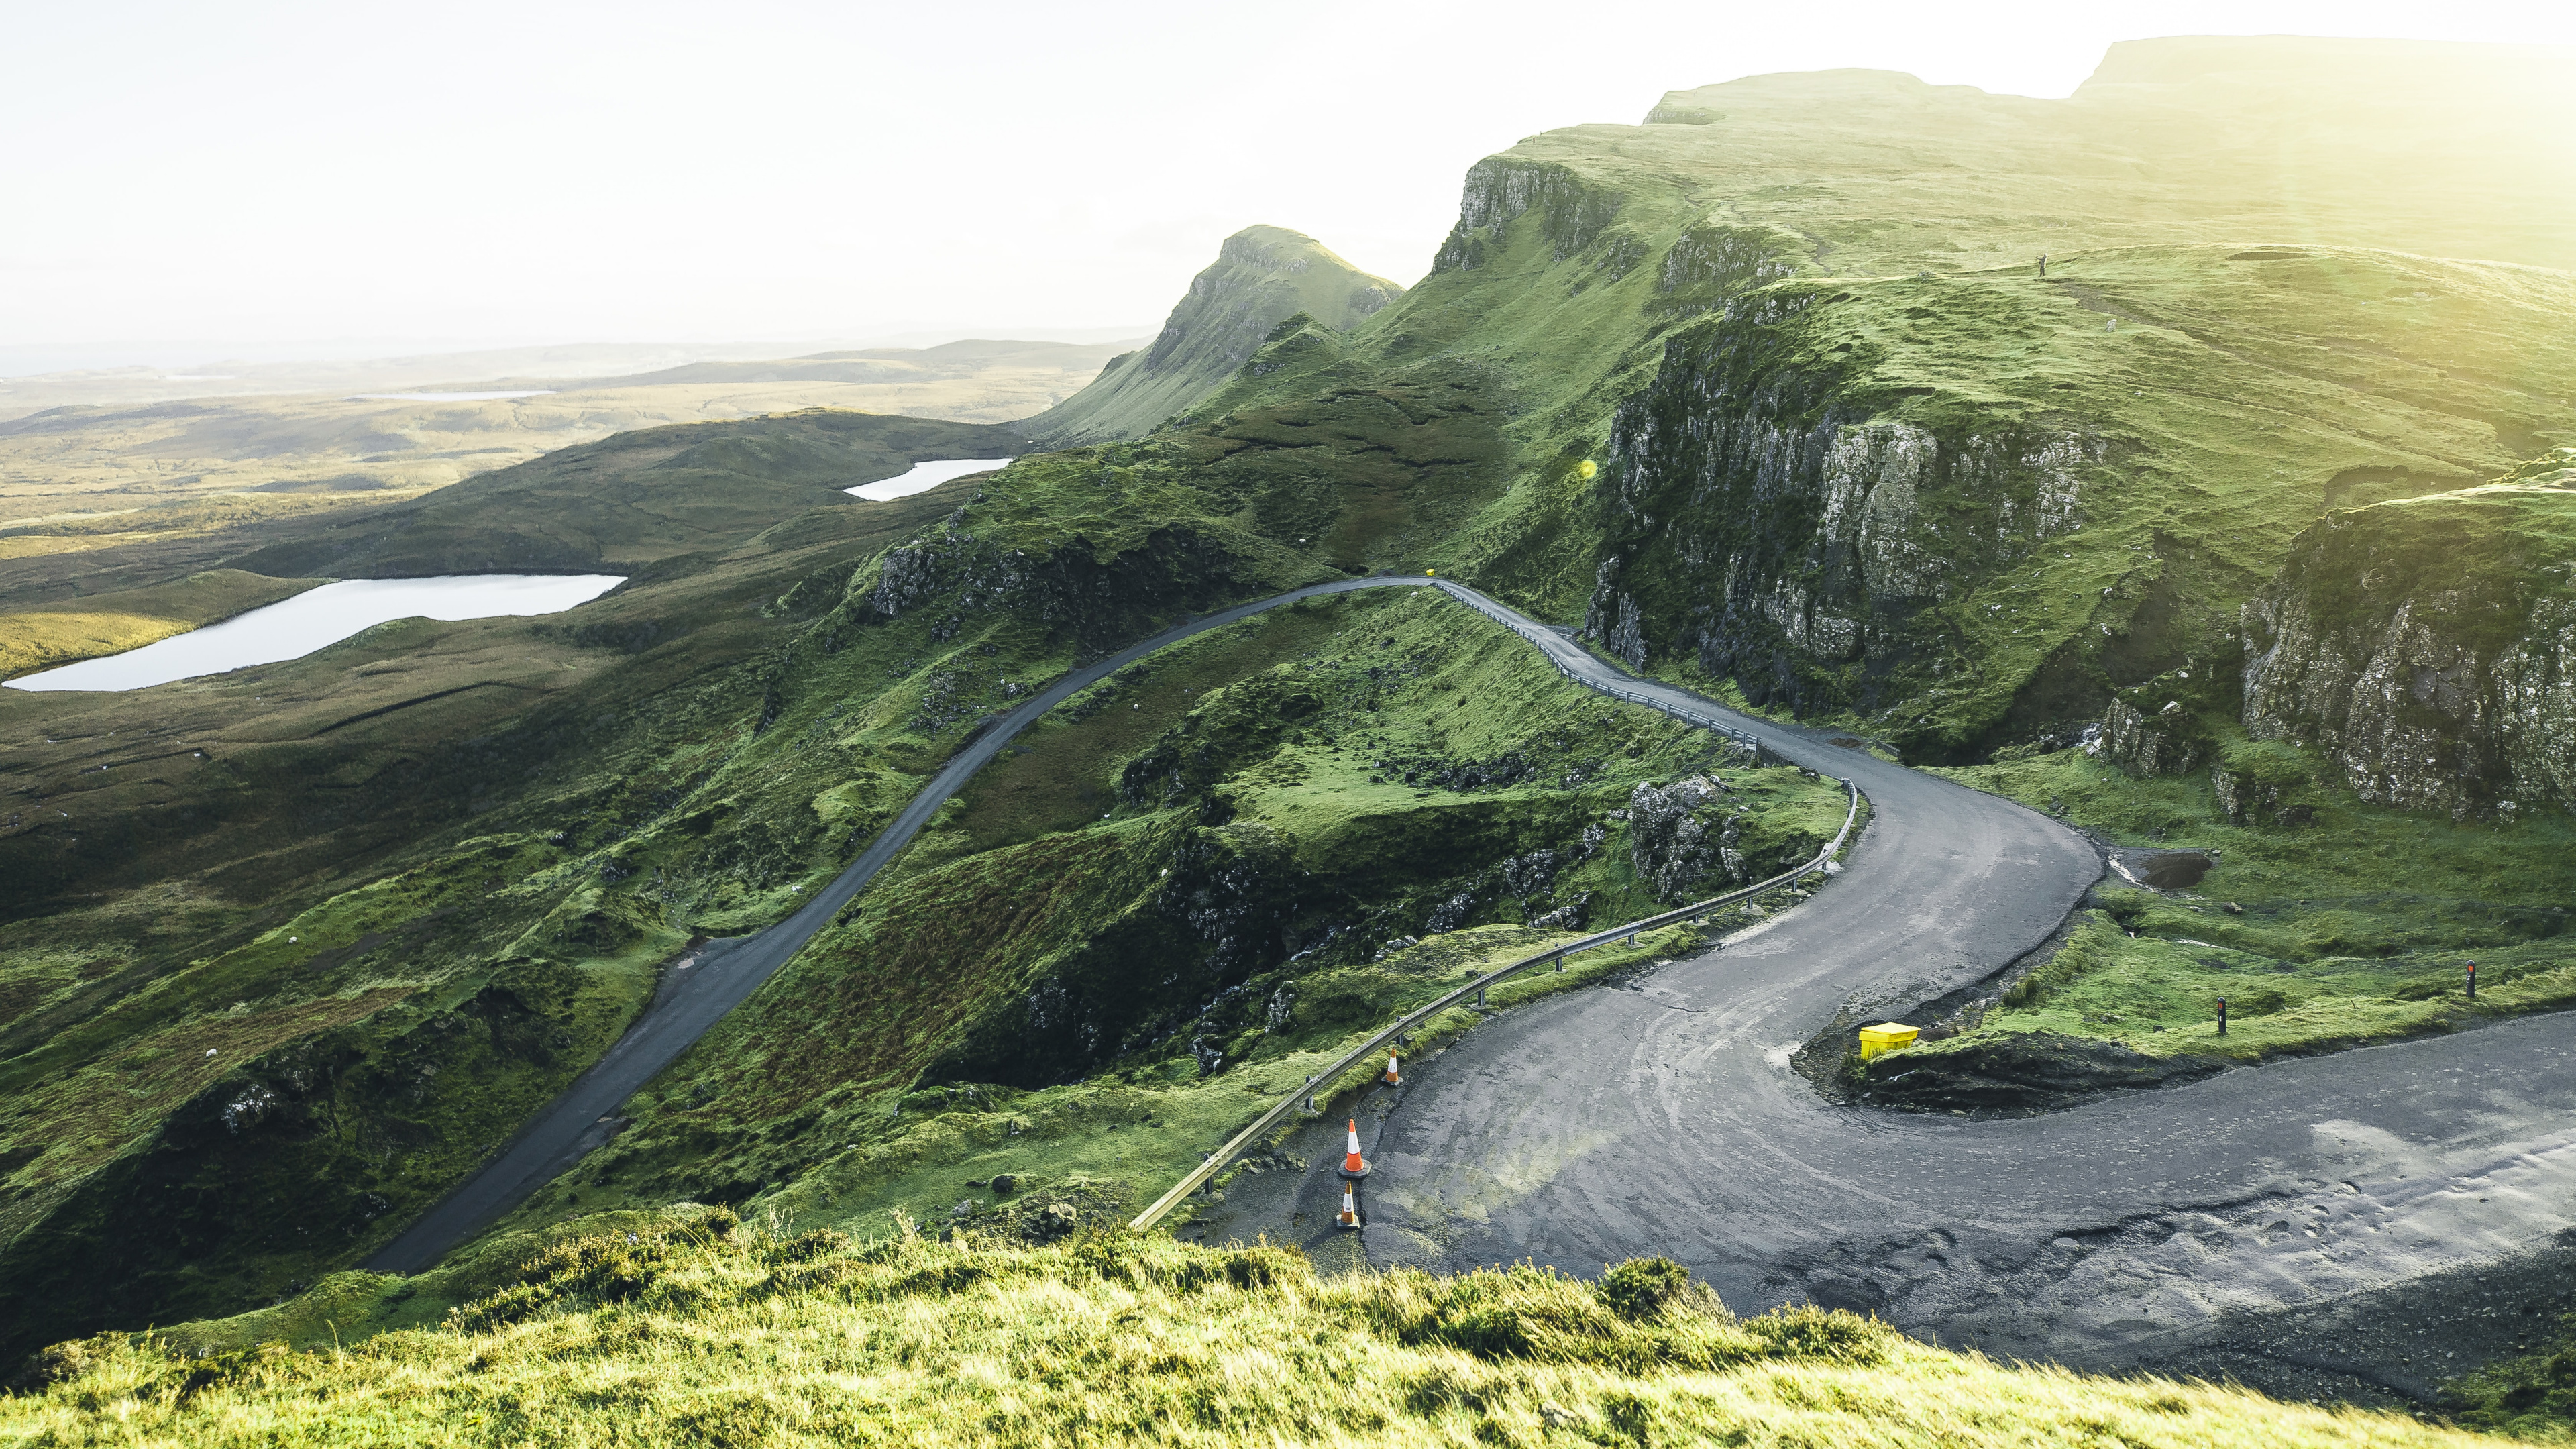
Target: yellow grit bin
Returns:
[1887, 1036]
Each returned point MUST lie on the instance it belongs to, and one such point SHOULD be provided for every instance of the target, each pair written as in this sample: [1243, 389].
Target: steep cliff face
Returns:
[1263, 276]
[1862, 454]
[2427, 646]
[1771, 523]
[1574, 209]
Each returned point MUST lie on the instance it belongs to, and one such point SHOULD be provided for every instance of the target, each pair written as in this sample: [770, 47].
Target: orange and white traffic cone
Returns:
[1394, 1078]
[1354, 1165]
[1349, 1216]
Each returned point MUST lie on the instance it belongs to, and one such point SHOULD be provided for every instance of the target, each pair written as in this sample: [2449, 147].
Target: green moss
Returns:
[2470, 564]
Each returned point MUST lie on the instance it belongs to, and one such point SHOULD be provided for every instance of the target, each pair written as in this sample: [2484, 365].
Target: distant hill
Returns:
[110, 490]
[1024, 371]
[980, 360]
[1263, 276]
[636, 499]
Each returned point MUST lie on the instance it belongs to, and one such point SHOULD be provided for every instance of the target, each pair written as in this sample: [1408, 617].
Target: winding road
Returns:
[702, 987]
[2215, 1227]
[2228, 1225]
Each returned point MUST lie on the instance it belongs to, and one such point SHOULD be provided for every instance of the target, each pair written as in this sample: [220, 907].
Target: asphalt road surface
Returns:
[2225, 1226]
[701, 987]
[2296, 1224]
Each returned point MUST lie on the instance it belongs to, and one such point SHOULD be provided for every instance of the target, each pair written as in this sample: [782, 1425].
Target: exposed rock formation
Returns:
[1670, 842]
[1263, 276]
[1776, 532]
[2164, 743]
[2427, 646]
[1573, 209]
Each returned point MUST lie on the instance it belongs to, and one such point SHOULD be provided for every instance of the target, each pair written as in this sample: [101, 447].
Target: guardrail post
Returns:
[1310, 1094]
[1480, 993]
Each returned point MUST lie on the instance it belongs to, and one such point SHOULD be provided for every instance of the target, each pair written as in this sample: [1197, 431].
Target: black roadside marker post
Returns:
[2222, 1016]
[2473, 981]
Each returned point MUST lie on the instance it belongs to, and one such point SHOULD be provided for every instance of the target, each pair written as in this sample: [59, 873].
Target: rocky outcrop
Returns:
[1574, 210]
[1100, 602]
[1713, 262]
[2167, 742]
[2427, 647]
[1263, 276]
[1784, 532]
[1675, 838]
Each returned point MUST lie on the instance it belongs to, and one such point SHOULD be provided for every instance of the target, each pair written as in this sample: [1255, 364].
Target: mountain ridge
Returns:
[1263, 275]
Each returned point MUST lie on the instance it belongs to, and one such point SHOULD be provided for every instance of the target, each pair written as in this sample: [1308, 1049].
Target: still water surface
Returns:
[924, 476]
[293, 628]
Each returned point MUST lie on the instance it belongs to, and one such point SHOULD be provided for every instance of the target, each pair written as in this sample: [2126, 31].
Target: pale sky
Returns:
[478, 174]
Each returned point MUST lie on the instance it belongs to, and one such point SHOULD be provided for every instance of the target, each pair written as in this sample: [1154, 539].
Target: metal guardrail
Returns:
[1368, 1050]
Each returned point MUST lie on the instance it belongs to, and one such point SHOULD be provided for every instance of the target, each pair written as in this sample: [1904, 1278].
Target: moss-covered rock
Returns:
[2427, 646]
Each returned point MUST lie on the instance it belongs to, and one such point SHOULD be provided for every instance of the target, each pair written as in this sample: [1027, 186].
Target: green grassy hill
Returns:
[1857, 456]
[634, 501]
[1262, 277]
[291, 950]
[689, 1327]
[324, 931]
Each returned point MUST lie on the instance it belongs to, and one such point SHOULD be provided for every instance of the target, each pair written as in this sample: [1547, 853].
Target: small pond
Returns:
[293, 628]
[924, 476]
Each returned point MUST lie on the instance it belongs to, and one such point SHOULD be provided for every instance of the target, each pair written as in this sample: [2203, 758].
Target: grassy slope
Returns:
[1263, 275]
[1053, 877]
[369, 879]
[2231, 404]
[685, 1328]
[112, 623]
[325, 930]
[637, 500]
[2504, 548]
[368, 882]
[2350, 929]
